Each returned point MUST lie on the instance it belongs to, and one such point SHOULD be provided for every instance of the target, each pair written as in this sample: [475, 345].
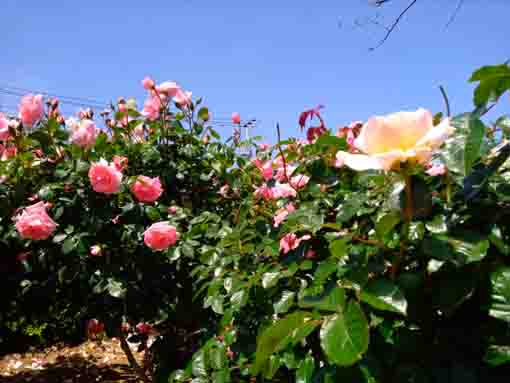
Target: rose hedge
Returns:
[379, 253]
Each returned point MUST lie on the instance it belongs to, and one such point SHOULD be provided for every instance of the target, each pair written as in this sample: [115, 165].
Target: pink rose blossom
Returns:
[236, 118]
[31, 109]
[160, 236]
[148, 83]
[283, 191]
[436, 170]
[299, 181]
[281, 214]
[264, 147]
[172, 210]
[266, 168]
[85, 134]
[290, 242]
[224, 191]
[4, 128]
[105, 178]
[147, 189]
[182, 98]
[96, 250]
[264, 192]
[281, 175]
[339, 161]
[35, 223]
[151, 108]
[310, 254]
[168, 88]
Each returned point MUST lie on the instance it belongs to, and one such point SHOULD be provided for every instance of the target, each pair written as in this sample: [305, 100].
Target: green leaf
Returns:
[384, 295]
[270, 279]
[305, 371]
[474, 139]
[239, 299]
[500, 305]
[218, 357]
[387, 223]
[115, 288]
[153, 213]
[344, 336]
[277, 336]
[497, 355]
[339, 248]
[493, 82]
[69, 245]
[285, 302]
[199, 364]
[332, 300]
[333, 142]
[349, 208]
[222, 376]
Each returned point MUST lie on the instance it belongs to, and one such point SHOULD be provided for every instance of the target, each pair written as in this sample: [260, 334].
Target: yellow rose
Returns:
[385, 141]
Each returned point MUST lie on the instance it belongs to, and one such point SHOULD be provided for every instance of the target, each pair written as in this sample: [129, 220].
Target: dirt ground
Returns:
[92, 361]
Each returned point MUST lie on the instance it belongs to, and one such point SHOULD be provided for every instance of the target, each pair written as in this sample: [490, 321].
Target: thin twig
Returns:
[394, 25]
[283, 158]
[454, 14]
[446, 102]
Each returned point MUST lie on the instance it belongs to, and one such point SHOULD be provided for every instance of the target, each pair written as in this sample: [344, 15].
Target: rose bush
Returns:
[378, 254]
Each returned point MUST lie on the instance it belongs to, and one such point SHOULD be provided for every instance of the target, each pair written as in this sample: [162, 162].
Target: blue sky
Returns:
[264, 59]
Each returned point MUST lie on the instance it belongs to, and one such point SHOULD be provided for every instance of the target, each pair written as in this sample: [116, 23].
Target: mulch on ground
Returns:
[92, 361]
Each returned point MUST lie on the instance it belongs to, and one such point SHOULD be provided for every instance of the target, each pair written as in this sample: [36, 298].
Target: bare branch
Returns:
[395, 23]
[454, 14]
[446, 101]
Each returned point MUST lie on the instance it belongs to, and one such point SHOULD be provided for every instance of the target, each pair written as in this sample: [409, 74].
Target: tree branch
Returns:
[395, 23]
[454, 14]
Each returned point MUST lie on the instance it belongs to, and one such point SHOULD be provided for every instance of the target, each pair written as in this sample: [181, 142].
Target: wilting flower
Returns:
[7, 152]
[105, 178]
[147, 189]
[160, 236]
[35, 223]
[403, 136]
[120, 162]
[236, 118]
[290, 242]
[31, 109]
[84, 133]
[436, 170]
[143, 328]
[4, 128]
[350, 133]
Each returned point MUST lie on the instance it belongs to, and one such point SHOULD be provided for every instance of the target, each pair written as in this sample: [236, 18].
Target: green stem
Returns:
[408, 217]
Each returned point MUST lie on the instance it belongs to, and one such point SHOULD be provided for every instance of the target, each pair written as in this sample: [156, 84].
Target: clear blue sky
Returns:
[264, 59]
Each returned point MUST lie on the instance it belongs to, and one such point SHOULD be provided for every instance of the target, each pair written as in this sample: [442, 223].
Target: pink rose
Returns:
[264, 192]
[283, 191]
[281, 175]
[160, 236]
[436, 170]
[151, 108]
[310, 254]
[31, 109]
[4, 128]
[96, 251]
[35, 223]
[236, 118]
[168, 88]
[281, 214]
[266, 168]
[339, 160]
[172, 210]
[290, 242]
[299, 181]
[147, 189]
[85, 133]
[182, 98]
[148, 83]
[264, 147]
[105, 178]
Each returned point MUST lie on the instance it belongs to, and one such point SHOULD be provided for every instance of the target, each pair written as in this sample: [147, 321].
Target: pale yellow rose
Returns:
[385, 141]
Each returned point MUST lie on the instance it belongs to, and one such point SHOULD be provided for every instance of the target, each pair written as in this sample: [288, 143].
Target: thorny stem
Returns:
[408, 217]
